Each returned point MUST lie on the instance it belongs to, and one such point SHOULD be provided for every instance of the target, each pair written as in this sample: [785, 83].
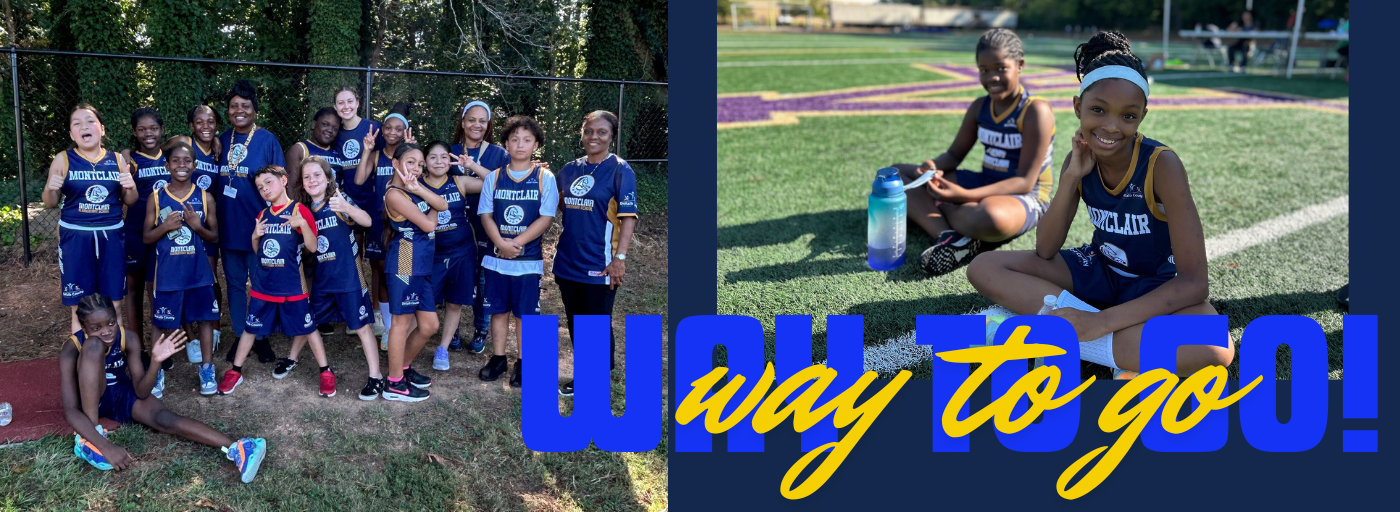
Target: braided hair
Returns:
[1004, 40]
[1106, 49]
[93, 303]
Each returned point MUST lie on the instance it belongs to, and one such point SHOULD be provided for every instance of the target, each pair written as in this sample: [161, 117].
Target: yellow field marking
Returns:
[783, 118]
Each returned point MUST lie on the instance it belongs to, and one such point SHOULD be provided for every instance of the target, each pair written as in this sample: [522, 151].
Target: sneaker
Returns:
[158, 390]
[247, 454]
[440, 362]
[349, 331]
[284, 366]
[383, 342]
[372, 389]
[207, 386]
[456, 344]
[87, 451]
[215, 346]
[328, 383]
[264, 350]
[378, 328]
[1121, 374]
[167, 364]
[231, 381]
[567, 388]
[493, 369]
[418, 380]
[478, 344]
[402, 392]
[193, 352]
[515, 375]
[953, 250]
[325, 329]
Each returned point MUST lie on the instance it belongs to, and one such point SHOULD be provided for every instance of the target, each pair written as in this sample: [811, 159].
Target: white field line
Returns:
[901, 352]
[1189, 76]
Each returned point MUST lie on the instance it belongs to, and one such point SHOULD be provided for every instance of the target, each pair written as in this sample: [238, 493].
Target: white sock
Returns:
[384, 315]
[1099, 351]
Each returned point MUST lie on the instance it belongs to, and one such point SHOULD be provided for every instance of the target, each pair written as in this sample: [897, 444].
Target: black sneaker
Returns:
[567, 388]
[284, 366]
[953, 250]
[264, 350]
[372, 389]
[168, 364]
[515, 375]
[418, 380]
[325, 329]
[402, 392]
[493, 369]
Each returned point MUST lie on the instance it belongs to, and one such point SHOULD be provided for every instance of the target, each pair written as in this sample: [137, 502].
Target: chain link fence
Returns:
[42, 86]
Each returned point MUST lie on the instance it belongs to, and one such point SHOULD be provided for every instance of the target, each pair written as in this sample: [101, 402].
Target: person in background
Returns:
[1243, 47]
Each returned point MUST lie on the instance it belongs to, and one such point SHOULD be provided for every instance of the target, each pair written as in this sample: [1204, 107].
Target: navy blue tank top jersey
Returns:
[595, 198]
[331, 155]
[239, 201]
[278, 277]
[516, 204]
[1130, 226]
[410, 249]
[151, 175]
[115, 364]
[455, 238]
[335, 252]
[181, 260]
[383, 175]
[349, 143]
[206, 170]
[495, 157]
[92, 192]
[1000, 134]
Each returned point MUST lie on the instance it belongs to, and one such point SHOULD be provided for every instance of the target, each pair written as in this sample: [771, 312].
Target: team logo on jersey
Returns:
[411, 300]
[308, 320]
[253, 321]
[236, 154]
[1112, 252]
[72, 290]
[60, 259]
[160, 185]
[422, 207]
[271, 248]
[322, 245]
[164, 314]
[1171, 259]
[444, 218]
[215, 309]
[351, 148]
[96, 194]
[184, 235]
[1133, 191]
[362, 312]
[515, 214]
[203, 182]
[581, 185]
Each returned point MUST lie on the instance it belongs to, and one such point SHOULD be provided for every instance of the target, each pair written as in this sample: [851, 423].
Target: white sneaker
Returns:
[192, 351]
[378, 327]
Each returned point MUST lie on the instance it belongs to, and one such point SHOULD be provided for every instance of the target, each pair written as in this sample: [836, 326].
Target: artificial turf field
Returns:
[804, 120]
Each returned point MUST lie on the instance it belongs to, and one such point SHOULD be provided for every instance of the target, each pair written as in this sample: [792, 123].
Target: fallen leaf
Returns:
[1231, 265]
[756, 178]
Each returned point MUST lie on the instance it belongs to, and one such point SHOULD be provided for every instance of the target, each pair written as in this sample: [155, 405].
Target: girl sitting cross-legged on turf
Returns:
[102, 376]
[279, 299]
[180, 218]
[410, 215]
[1138, 200]
[518, 202]
[971, 212]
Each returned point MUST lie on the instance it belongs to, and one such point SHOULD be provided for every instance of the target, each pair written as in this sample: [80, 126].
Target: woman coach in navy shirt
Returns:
[598, 207]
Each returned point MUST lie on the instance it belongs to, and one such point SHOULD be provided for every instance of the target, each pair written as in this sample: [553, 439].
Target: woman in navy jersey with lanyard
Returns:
[204, 139]
[247, 148]
[598, 207]
[150, 174]
[477, 155]
[91, 184]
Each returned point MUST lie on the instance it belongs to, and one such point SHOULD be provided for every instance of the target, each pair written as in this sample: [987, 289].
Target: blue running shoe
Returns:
[159, 389]
[207, 386]
[247, 454]
[86, 451]
[440, 362]
[456, 344]
[478, 344]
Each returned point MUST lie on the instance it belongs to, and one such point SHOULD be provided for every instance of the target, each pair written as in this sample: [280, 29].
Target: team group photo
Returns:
[207, 217]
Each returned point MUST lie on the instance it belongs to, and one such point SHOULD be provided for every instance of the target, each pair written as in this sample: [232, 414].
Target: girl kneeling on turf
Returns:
[518, 203]
[279, 299]
[102, 348]
[409, 252]
[1138, 200]
[969, 212]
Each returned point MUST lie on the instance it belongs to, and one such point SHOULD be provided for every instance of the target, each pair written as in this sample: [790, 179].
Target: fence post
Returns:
[368, 78]
[19, 157]
[620, 88]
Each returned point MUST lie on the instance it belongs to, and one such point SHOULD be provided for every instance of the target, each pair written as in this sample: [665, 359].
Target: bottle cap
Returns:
[887, 183]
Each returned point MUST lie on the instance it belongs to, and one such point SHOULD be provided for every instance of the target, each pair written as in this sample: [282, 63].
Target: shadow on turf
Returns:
[840, 233]
[1243, 311]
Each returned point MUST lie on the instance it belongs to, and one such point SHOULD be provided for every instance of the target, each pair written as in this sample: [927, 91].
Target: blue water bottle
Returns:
[886, 218]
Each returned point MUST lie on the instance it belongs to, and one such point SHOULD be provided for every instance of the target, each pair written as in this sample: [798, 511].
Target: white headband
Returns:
[1123, 72]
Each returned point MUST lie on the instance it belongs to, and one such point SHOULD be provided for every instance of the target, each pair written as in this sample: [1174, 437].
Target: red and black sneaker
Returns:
[231, 381]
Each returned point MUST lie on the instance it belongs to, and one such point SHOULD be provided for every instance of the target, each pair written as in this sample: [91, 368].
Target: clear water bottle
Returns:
[1050, 302]
[6, 413]
[885, 228]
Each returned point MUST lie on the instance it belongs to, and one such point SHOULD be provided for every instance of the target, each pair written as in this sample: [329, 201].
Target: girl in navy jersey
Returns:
[598, 207]
[971, 212]
[410, 212]
[473, 147]
[91, 184]
[103, 349]
[518, 203]
[180, 219]
[455, 261]
[280, 297]
[246, 148]
[1136, 193]
[325, 125]
[150, 174]
[376, 167]
[204, 139]
[338, 292]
